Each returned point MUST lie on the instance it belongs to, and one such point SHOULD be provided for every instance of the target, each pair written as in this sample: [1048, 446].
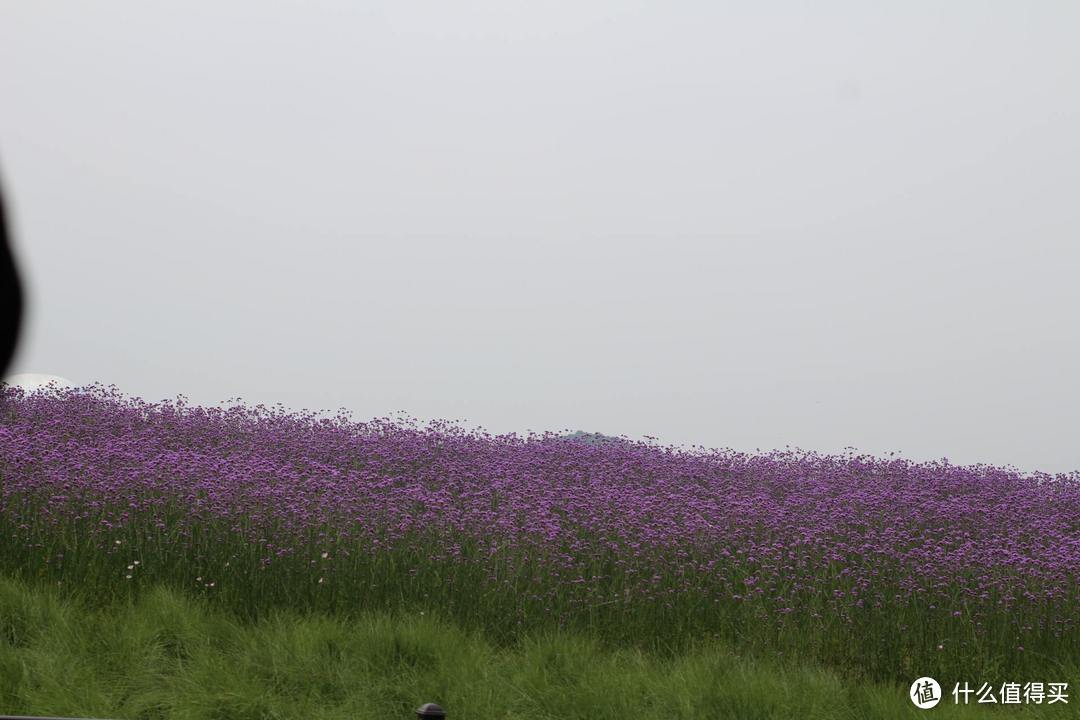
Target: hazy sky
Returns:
[742, 225]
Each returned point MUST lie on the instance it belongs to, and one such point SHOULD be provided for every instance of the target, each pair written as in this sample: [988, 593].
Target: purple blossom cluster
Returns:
[833, 538]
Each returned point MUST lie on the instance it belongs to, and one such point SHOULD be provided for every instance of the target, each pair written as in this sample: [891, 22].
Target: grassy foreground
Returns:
[168, 655]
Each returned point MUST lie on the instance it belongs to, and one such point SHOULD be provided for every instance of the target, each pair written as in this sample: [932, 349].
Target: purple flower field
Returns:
[879, 566]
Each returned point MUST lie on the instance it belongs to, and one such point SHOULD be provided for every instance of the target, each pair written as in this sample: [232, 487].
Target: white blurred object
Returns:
[30, 382]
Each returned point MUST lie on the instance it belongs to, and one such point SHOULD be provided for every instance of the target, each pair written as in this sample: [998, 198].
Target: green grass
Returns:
[887, 644]
[173, 655]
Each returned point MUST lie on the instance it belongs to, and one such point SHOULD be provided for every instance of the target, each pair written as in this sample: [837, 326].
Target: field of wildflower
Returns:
[879, 568]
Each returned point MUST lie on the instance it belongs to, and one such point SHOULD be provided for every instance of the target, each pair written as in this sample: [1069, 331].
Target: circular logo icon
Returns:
[925, 693]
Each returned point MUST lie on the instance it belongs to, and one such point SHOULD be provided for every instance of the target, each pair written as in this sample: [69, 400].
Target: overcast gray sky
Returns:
[742, 225]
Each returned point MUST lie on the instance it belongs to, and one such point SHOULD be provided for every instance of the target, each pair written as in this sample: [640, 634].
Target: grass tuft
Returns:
[172, 657]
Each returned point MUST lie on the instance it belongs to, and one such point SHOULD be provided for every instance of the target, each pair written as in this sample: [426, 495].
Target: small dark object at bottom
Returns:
[430, 711]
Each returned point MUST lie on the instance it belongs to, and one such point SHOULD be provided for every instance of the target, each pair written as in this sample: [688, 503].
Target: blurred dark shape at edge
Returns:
[11, 296]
